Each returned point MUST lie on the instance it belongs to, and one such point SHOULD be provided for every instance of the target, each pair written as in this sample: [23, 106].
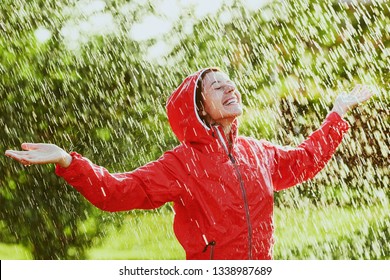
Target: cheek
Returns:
[239, 97]
[210, 103]
[210, 108]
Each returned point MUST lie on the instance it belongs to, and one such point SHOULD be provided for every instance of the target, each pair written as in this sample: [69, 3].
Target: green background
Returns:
[105, 100]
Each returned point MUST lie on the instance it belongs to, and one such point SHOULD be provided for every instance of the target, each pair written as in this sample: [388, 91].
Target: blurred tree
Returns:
[100, 99]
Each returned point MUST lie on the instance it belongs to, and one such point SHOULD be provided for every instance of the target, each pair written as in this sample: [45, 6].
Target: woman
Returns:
[221, 184]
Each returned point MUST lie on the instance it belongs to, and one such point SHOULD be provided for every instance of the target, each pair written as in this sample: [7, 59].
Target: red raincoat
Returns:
[223, 198]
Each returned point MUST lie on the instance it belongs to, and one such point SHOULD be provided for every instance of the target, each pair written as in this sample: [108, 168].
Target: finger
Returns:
[12, 154]
[31, 146]
[362, 88]
[363, 91]
[366, 92]
[356, 89]
[22, 156]
[25, 162]
[24, 159]
[16, 153]
[365, 96]
[17, 157]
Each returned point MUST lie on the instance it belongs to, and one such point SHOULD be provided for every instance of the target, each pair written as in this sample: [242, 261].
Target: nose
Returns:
[229, 88]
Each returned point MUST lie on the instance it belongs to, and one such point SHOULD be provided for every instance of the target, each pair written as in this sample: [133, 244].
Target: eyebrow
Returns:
[218, 81]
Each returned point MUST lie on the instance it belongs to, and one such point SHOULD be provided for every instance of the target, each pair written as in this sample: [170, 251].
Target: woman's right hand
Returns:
[40, 154]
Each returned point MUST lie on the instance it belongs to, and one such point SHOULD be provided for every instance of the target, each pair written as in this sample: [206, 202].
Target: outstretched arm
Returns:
[147, 187]
[295, 165]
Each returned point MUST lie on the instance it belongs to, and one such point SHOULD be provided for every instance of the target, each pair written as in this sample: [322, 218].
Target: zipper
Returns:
[243, 192]
[212, 245]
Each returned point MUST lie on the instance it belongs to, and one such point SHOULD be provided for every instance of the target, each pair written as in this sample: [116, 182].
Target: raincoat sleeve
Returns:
[291, 166]
[147, 187]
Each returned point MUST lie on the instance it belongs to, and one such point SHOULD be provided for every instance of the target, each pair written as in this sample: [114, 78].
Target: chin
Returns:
[238, 112]
[234, 114]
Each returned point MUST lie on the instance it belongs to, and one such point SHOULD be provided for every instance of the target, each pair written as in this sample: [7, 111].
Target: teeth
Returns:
[231, 102]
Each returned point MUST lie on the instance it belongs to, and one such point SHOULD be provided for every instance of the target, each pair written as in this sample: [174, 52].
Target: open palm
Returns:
[347, 101]
[40, 153]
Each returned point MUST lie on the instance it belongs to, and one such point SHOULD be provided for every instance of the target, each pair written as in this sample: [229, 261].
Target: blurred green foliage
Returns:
[103, 100]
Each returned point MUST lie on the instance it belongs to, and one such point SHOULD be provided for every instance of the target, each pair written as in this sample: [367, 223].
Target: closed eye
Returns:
[231, 83]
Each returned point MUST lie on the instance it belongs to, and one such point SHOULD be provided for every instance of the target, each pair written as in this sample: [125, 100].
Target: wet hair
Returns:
[199, 88]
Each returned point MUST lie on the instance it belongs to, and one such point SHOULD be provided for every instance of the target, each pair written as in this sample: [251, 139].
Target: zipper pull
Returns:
[232, 159]
[211, 244]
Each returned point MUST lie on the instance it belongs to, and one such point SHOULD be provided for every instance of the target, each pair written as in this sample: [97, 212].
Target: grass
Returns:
[147, 235]
[14, 252]
[305, 233]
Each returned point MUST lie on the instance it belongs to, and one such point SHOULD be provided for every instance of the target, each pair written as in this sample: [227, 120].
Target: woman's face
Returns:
[221, 99]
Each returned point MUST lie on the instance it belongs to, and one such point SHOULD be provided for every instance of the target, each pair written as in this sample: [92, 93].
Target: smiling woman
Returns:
[221, 183]
[221, 99]
[218, 100]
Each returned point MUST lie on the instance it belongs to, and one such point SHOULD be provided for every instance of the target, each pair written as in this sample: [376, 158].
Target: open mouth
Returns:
[230, 101]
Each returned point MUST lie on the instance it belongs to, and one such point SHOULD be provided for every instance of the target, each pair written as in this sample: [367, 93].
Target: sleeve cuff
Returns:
[62, 171]
[338, 121]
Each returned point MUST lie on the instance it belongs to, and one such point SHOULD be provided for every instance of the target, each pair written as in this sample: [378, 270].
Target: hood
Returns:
[183, 116]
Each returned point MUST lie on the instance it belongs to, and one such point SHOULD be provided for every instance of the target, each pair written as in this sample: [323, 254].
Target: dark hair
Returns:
[199, 88]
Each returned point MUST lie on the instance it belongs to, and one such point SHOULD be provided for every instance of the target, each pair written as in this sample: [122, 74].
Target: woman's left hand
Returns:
[346, 101]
